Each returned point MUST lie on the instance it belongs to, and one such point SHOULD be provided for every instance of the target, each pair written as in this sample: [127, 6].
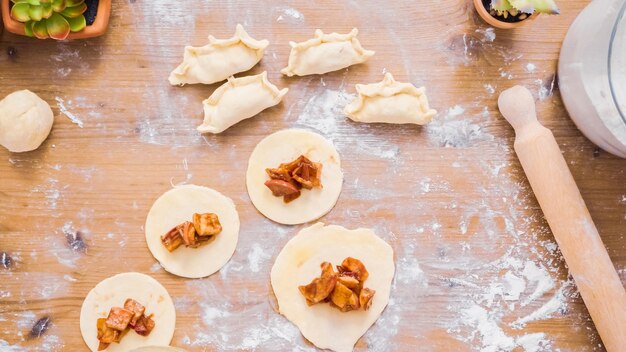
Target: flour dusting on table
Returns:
[63, 109]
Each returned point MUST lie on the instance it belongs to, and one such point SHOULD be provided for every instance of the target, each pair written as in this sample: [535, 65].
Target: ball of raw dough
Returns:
[25, 121]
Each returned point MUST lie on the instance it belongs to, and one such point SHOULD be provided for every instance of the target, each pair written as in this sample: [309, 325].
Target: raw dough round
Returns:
[158, 349]
[177, 206]
[112, 292]
[299, 262]
[285, 146]
[25, 121]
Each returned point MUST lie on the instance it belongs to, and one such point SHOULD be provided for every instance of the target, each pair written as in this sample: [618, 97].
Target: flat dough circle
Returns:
[178, 205]
[299, 262]
[285, 146]
[112, 292]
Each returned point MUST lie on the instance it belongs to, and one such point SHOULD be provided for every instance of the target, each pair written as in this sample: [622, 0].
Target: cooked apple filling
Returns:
[193, 234]
[289, 178]
[121, 320]
[343, 288]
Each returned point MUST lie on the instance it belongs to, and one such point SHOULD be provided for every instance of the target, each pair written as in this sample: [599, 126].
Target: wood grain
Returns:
[451, 197]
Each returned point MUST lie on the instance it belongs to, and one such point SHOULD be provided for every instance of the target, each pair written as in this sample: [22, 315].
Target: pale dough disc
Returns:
[299, 262]
[177, 206]
[158, 349]
[285, 146]
[113, 292]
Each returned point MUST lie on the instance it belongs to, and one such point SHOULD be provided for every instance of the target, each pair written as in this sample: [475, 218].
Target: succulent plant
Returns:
[50, 18]
[523, 8]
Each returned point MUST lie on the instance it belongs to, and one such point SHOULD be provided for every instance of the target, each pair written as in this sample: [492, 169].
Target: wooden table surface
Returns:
[476, 265]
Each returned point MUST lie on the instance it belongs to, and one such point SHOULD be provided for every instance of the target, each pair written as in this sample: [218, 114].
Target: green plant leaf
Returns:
[525, 6]
[546, 6]
[70, 3]
[19, 12]
[33, 2]
[74, 11]
[58, 27]
[501, 5]
[47, 10]
[19, 1]
[39, 29]
[45, 1]
[77, 24]
[58, 5]
[35, 12]
[28, 29]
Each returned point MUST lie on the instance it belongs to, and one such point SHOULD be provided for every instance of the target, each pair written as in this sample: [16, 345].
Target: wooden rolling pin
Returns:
[568, 217]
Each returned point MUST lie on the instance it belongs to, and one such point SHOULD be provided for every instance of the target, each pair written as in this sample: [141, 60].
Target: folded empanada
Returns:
[237, 100]
[325, 53]
[390, 102]
[219, 59]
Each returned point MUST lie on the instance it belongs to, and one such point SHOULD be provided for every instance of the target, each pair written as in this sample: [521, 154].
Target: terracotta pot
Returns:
[494, 22]
[97, 28]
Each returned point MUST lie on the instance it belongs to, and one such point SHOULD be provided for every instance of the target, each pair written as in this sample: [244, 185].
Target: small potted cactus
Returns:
[507, 14]
[56, 19]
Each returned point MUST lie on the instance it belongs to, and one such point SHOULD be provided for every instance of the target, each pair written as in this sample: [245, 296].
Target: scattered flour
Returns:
[63, 109]
[456, 130]
[256, 257]
[530, 67]
[51, 191]
[324, 110]
[69, 278]
[545, 88]
[59, 248]
[289, 15]
[380, 148]
[489, 88]
[155, 267]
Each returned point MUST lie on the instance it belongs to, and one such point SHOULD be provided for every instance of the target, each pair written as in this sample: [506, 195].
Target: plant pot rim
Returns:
[97, 28]
[486, 16]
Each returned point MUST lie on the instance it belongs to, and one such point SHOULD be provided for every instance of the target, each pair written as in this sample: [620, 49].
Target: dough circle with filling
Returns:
[283, 147]
[177, 206]
[113, 292]
[298, 264]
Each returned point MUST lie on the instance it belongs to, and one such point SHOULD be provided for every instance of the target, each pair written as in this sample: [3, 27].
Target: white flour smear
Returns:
[20, 326]
[530, 67]
[519, 286]
[324, 112]
[456, 130]
[61, 104]
[256, 326]
[288, 15]
[51, 191]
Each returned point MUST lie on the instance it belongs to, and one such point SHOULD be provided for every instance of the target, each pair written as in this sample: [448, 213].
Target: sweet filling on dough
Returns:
[193, 234]
[289, 178]
[121, 320]
[343, 288]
